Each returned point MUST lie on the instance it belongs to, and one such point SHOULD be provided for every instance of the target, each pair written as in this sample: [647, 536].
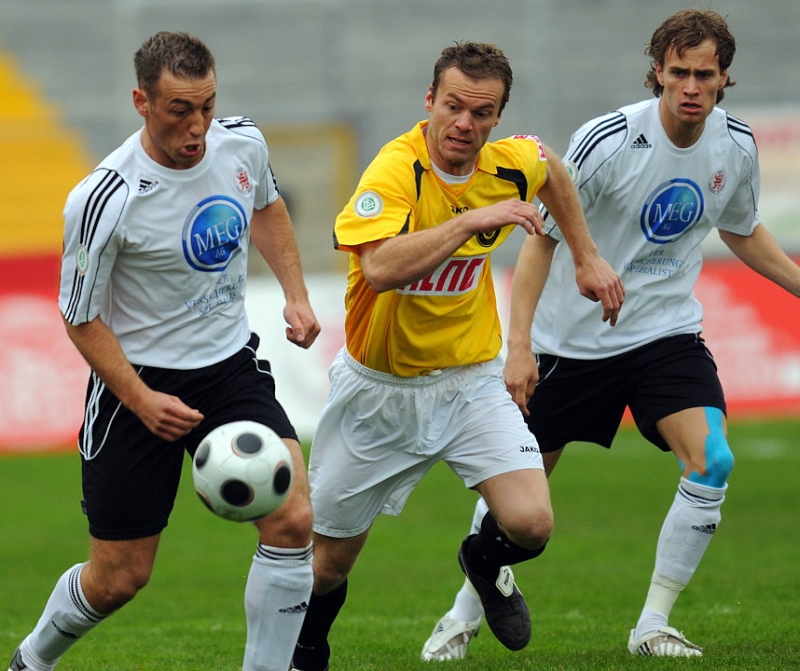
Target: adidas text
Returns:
[294, 610]
[705, 528]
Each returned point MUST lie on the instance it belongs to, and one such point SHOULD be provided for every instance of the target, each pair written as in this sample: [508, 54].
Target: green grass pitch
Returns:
[585, 592]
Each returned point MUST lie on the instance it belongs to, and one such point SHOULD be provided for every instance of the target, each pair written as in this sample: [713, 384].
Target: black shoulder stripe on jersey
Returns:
[92, 213]
[406, 224]
[612, 126]
[236, 121]
[516, 177]
[419, 171]
[96, 203]
[738, 126]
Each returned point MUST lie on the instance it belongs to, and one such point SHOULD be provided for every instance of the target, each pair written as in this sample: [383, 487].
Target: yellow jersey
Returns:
[448, 318]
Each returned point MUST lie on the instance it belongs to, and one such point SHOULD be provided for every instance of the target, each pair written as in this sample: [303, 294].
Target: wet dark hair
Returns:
[685, 30]
[477, 60]
[179, 53]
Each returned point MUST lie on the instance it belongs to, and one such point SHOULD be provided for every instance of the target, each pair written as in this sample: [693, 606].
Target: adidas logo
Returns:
[641, 143]
[146, 186]
[294, 610]
[706, 528]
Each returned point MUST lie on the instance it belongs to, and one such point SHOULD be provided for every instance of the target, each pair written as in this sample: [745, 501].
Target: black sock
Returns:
[312, 650]
[490, 549]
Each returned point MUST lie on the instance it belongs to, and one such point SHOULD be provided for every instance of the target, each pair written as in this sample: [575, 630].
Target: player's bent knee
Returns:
[289, 526]
[719, 458]
[530, 531]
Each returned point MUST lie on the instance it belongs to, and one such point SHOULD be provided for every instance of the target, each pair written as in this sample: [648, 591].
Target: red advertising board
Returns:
[751, 326]
[42, 377]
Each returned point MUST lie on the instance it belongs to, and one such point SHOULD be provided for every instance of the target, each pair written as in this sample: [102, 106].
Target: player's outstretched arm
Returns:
[761, 252]
[596, 279]
[273, 235]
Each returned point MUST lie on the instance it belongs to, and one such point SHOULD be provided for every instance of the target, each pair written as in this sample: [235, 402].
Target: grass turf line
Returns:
[585, 592]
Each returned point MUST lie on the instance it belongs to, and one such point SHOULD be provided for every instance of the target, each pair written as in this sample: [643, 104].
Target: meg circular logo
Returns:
[212, 233]
[671, 209]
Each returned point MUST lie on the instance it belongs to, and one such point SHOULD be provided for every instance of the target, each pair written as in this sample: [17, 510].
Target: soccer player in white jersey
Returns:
[654, 179]
[419, 380]
[152, 293]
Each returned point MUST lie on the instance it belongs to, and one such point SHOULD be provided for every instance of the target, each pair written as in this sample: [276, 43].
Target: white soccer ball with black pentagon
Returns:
[242, 471]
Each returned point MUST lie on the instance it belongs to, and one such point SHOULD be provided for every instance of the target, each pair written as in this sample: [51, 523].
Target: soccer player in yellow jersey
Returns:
[420, 379]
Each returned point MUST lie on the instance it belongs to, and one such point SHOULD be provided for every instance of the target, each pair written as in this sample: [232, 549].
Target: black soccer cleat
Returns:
[504, 606]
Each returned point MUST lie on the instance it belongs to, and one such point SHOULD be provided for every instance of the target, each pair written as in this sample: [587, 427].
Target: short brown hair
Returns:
[477, 60]
[179, 53]
[685, 30]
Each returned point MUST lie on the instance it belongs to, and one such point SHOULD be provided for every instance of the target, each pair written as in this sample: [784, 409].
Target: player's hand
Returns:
[166, 416]
[597, 281]
[303, 327]
[521, 375]
[512, 211]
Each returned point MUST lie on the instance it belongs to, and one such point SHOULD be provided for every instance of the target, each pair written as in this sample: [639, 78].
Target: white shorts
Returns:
[379, 434]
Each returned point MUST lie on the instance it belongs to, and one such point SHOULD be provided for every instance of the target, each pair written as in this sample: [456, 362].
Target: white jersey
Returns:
[649, 205]
[160, 254]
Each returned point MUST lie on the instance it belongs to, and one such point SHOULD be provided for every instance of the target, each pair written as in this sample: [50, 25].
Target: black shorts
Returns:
[130, 477]
[584, 400]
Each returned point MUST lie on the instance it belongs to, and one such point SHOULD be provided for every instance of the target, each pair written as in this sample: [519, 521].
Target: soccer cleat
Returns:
[663, 642]
[504, 607]
[17, 664]
[450, 639]
[295, 668]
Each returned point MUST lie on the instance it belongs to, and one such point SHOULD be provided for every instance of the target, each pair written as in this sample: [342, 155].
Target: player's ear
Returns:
[429, 99]
[141, 102]
[659, 70]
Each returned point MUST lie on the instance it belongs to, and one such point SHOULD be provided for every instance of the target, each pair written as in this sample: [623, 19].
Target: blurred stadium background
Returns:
[329, 82]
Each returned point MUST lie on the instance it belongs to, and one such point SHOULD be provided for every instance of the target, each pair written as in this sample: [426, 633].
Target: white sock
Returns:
[67, 616]
[276, 598]
[685, 535]
[467, 605]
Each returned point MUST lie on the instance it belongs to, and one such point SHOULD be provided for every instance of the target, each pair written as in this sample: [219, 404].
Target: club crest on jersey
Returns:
[486, 239]
[212, 233]
[572, 171]
[82, 260]
[671, 209]
[242, 181]
[454, 277]
[368, 204]
[717, 181]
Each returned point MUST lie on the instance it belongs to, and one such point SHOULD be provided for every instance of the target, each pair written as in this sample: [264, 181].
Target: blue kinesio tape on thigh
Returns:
[719, 458]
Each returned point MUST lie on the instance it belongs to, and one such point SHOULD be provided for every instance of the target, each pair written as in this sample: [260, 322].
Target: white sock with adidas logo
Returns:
[276, 598]
[685, 535]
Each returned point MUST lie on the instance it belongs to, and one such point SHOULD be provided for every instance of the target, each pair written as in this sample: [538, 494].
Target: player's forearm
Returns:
[561, 199]
[100, 348]
[761, 252]
[404, 259]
